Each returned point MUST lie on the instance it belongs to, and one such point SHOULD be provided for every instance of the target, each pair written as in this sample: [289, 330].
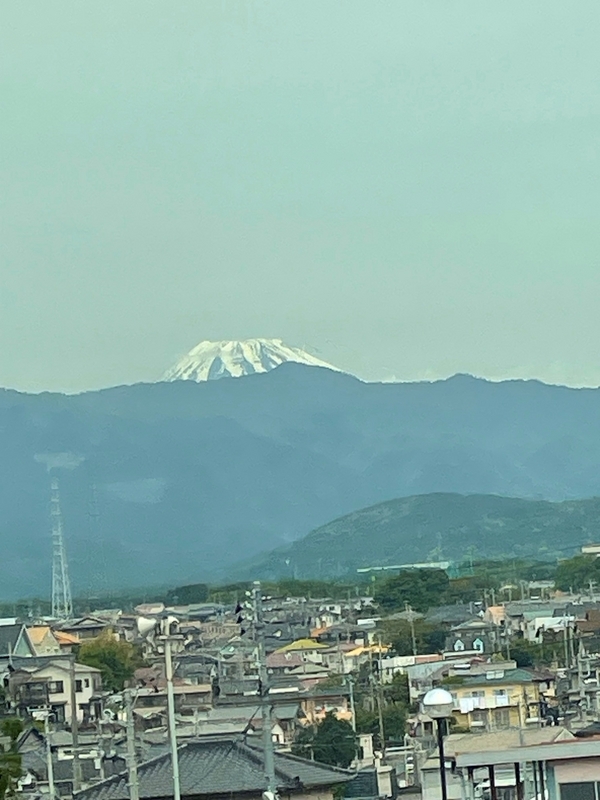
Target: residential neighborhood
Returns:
[314, 662]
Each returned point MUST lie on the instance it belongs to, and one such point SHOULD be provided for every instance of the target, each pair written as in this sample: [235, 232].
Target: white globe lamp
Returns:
[438, 704]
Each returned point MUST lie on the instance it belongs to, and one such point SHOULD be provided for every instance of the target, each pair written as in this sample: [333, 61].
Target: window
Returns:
[478, 717]
[501, 718]
[578, 791]
[78, 686]
[478, 693]
[56, 687]
[86, 683]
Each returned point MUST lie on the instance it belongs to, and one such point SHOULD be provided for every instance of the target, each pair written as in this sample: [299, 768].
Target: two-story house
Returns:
[88, 688]
[496, 699]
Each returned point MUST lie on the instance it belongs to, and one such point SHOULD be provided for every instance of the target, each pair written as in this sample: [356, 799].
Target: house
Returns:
[352, 659]
[536, 627]
[473, 635]
[66, 641]
[225, 721]
[322, 700]
[308, 649]
[224, 768]
[452, 614]
[283, 663]
[43, 640]
[86, 627]
[15, 641]
[563, 768]
[495, 699]
[589, 630]
[475, 753]
[56, 675]
[187, 696]
[96, 761]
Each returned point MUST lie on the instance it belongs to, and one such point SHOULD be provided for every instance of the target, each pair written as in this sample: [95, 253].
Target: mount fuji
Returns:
[232, 359]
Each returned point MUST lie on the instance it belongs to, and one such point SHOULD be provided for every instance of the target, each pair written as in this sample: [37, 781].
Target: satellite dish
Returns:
[145, 626]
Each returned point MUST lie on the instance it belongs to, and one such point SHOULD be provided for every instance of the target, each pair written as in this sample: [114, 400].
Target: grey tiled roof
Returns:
[217, 767]
[9, 636]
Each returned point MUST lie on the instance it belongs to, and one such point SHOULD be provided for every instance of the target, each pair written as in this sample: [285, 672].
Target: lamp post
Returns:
[438, 704]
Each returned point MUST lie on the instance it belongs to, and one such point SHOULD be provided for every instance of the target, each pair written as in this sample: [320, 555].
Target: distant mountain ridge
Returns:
[171, 483]
[209, 361]
[435, 527]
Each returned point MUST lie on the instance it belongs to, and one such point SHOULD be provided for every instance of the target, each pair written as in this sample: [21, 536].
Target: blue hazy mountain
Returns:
[433, 527]
[176, 481]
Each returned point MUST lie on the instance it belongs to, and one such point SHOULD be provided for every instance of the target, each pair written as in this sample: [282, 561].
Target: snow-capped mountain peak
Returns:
[212, 360]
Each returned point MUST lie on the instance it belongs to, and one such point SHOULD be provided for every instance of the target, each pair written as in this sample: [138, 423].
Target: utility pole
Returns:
[49, 763]
[166, 637]
[132, 772]
[566, 644]
[411, 622]
[74, 726]
[380, 718]
[376, 700]
[350, 682]
[263, 688]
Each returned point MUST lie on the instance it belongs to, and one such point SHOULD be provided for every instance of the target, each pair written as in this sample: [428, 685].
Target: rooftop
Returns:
[301, 644]
[500, 676]
[212, 767]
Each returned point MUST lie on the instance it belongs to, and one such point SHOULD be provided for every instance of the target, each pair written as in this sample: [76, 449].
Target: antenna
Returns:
[62, 605]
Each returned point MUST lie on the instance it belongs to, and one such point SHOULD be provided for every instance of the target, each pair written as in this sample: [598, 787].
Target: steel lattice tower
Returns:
[62, 605]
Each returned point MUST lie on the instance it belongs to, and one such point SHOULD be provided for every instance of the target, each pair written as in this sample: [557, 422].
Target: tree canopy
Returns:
[115, 658]
[331, 742]
[10, 760]
[576, 573]
[192, 593]
[421, 588]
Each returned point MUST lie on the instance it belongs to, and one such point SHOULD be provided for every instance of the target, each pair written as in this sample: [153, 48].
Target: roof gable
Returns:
[14, 641]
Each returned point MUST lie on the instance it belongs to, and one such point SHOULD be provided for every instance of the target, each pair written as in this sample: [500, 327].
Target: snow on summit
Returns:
[212, 360]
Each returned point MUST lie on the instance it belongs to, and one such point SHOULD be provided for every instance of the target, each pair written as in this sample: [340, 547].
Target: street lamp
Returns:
[438, 704]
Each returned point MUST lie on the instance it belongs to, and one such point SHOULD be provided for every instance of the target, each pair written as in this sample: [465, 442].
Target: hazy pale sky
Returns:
[409, 188]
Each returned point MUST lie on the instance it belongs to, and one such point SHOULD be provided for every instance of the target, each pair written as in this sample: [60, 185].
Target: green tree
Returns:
[10, 760]
[331, 742]
[421, 588]
[115, 658]
[576, 573]
[184, 595]
[394, 723]
[397, 691]
[530, 654]
[395, 701]
[429, 638]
